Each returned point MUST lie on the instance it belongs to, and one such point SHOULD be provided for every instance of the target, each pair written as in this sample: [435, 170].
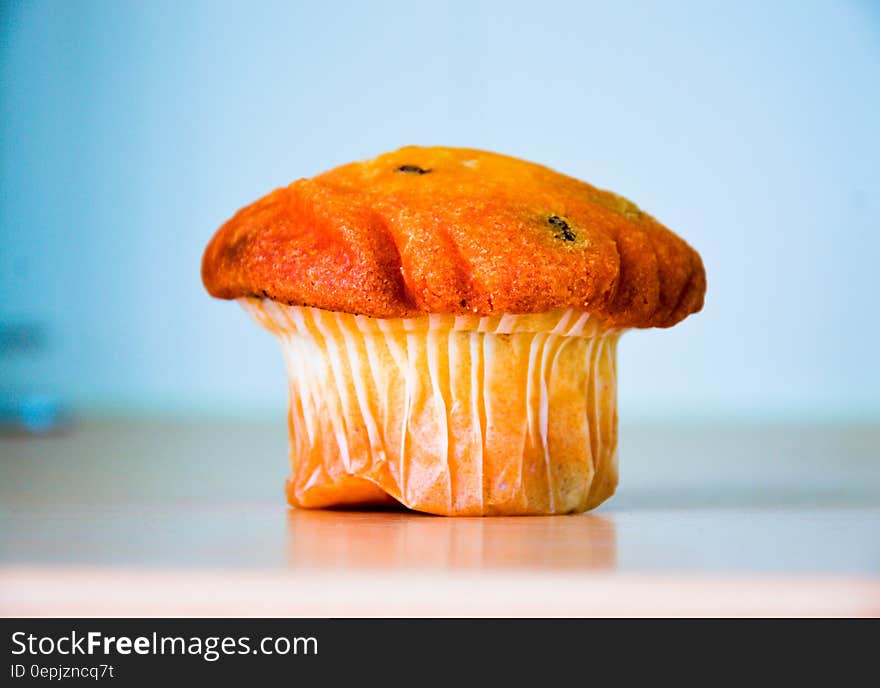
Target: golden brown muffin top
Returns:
[455, 230]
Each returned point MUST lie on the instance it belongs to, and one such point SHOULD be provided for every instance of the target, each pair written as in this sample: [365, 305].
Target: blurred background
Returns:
[129, 131]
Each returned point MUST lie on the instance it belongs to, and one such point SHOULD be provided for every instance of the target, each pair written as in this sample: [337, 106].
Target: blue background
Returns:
[132, 130]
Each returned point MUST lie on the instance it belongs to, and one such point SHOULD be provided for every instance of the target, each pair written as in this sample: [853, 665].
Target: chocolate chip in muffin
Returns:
[412, 169]
[565, 233]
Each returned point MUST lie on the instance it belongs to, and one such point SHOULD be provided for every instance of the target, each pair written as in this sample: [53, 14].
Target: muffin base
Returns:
[446, 414]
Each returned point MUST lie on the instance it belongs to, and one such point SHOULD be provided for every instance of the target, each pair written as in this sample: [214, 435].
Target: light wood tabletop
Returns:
[161, 518]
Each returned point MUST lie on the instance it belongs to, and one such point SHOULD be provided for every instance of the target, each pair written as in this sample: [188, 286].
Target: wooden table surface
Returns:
[153, 518]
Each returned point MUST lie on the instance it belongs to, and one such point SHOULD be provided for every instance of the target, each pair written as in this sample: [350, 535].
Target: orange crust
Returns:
[454, 230]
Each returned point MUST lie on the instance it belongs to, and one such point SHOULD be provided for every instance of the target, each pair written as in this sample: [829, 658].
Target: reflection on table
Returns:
[388, 539]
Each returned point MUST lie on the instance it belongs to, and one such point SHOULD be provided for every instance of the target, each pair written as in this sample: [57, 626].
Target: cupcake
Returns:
[449, 320]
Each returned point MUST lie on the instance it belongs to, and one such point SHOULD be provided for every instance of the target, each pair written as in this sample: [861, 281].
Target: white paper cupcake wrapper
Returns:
[464, 415]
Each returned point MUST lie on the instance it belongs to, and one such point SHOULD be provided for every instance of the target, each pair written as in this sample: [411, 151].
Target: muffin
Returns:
[449, 320]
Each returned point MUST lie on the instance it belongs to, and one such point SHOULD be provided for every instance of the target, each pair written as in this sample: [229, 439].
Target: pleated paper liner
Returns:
[452, 415]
